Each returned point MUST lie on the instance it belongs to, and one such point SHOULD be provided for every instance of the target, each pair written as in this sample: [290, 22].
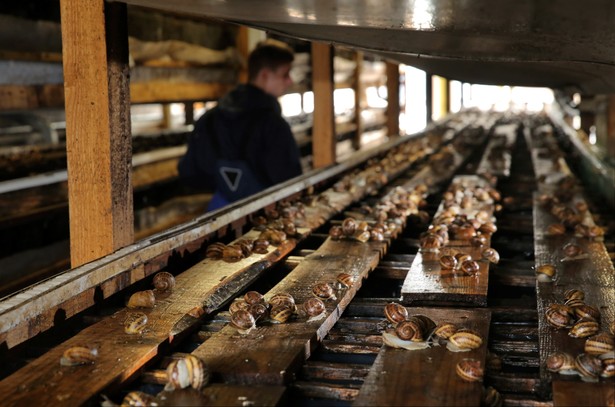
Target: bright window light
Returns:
[291, 104]
[308, 102]
[415, 115]
[343, 100]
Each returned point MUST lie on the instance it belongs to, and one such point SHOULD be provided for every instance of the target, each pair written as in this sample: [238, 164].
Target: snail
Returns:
[430, 242]
[142, 299]
[448, 262]
[362, 236]
[482, 216]
[79, 355]
[608, 367]
[491, 398]
[289, 228]
[253, 297]
[258, 311]
[561, 362]
[444, 330]
[461, 257]
[555, 229]
[583, 328]
[488, 228]
[232, 253]
[273, 236]
[188, 371]
[559, 316]
[238, 304]
[464, 340]
[280, 313]
[246, 246]
[323, 291]
[395, 313]
[214, 250]
[336, 232]
[376, 235]
[469, 370]
[362, 227]
[282, 299]
[494, 362]
[574, 303]
[599, 344]
[573, 251]
[243, 321]
[139, 399]
[491, 255]
[349, 226]
[409, 331]
[587, 311]
[135, 323]
[314, 308]
[465, 232]
[588, 366]
[573, 293]
[545, 273]
[478, 241]
[260, 246]
[164, 281]
[469, 267]
[345, 280]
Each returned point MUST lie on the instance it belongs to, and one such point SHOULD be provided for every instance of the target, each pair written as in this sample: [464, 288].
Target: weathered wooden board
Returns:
[567, 393]
[217, 394]
[270, 353]
[209, 284]
[426, 377]
[497, 158]
[427, 283]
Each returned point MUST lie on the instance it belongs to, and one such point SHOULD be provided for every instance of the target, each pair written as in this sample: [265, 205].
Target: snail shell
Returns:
[189, 371]
[345, 280]
[469, 370]
[395, 313]
[314, 307]
[243, 321]
[478, 241]
[336, 232]
[323, 291]
[444, 330]
[491, 398]
[214, 250]
[574, 302]
[246, 246]
[232, 253]
[238, 304]
[448, 262]
[139, 399]
[164, 281]
[408, 331]
[273, 236]
[376, 235]
[588, 312]
[465, 232]
[430, 241]
[583, 328]
[280, 313]
[608, 368]
[135, 323]
[545, 273]
[588, 365]
[558, 316]
[258, 311]
[79, 355]
[466, 339]
[253, 297]
[349, 226]
[491, 255]
[142, 299]
[461, 257]
[289, 228]
[560, 362]
[260, 246]
[572, 250]
[599, 344]
[282, 299]
[556, 229]
[574, 294]
[488, 228]
[469, 267]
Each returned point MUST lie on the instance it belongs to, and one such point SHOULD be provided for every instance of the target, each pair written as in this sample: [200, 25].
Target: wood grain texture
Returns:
[426, 377]
[217, 394]
[323, 130]
[271, 353]
[392, 70]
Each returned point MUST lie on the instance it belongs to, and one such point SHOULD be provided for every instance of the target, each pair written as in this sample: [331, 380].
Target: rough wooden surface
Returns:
[223, 395]
[248, 359]
[426, 377]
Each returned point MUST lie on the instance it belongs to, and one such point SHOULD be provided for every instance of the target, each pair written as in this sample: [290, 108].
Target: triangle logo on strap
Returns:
[231, 177]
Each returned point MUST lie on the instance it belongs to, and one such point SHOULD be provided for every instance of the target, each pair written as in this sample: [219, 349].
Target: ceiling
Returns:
[560, 44]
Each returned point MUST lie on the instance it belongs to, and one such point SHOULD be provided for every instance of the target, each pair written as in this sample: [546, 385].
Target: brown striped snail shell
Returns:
[280, 313]
[273, 236]
[323, 291]
[336, 232]
[246, 246]
[164, 281]
[574, 294]
[574, 302]
[560, 361]
[258, 311]
[448, 262]
[362, 227]
[362, 236]
[79, 355]
[488, 228]
[465, 232]
[349, 226]
[608, 368]
[289, 228]
[395, 313]
[587, 311]
[260, 246]
[556, 229]
[408, 331]
[545, 272]
[253, 297]
[345, 280]
[444, 330]
[238, 304]
[430, 241]
[142, 299]
[469, 267]
[584, 328]
[188, 371]
[232, 253]
[466, 339]
[469, 370]
[135, 323]
[478, 241]
[491, 255]
[572, 250]
[138, 399]
[558, 317]
[427, 324]
[376, 235]
[243, 321]
[461, 257]
[588, 365]
[214, 250]
[599, 344]
[314, 307]
[282, 299]
[491, 398]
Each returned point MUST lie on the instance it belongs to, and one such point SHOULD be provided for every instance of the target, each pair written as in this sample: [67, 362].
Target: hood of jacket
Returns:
[247, 98]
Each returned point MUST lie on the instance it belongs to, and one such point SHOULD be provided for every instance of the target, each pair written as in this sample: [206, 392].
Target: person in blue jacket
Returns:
[244, 145]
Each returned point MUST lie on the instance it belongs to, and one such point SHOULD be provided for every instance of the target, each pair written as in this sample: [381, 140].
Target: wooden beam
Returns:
[97, 128]
[358, 98]
[16, 97]
[165, 91]
[393, 99]
[323, 130]
[429, 97]
[243, 46]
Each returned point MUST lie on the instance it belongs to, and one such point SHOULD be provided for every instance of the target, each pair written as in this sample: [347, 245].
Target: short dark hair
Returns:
[268, 54]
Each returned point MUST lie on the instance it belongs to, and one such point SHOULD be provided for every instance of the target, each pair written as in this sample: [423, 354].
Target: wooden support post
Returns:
[243, 46]
[393, 99]
[429, 97]
[358, 97]
[167, 116]
[98, 138]
[323, 129]
[610, 138]
[189, 113]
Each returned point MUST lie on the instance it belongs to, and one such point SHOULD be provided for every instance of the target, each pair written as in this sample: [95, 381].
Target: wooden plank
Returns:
[359, 96]
[158, 91]
[323, 129]
[426, 377]
[392, 70]
[315, 370]
[100, 193]
[329, 391]
[565, 393]
[209, 285]
[218, 394]
[20, 97]
[497, 158]
[246, 359]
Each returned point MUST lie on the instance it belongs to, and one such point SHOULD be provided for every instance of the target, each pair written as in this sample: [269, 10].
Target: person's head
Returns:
[269, 67]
